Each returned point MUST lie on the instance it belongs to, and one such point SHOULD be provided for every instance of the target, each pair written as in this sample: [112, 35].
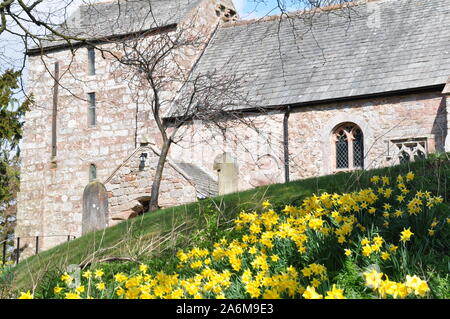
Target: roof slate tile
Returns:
[289, 61]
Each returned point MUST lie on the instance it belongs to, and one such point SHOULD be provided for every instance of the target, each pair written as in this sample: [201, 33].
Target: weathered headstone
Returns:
[95, 207]
[227, 170]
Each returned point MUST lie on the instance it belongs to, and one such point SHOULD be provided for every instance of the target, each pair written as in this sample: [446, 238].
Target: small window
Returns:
[92, 172]
[91, 61]
[348, 145]
[409, 149]
[91, 109]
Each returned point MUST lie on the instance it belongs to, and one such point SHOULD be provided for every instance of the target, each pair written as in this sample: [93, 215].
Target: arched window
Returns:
[92, 172]
[348, 146]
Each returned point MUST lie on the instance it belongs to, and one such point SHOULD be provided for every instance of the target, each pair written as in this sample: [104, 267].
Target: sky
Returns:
[240, 5]
[249, 9]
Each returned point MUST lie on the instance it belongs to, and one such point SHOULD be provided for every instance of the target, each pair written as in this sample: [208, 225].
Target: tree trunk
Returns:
[153, 205]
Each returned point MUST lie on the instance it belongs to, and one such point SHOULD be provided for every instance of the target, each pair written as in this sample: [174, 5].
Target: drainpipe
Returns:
[446, 93]
[55, 110]
[286, 142]
[136, 123]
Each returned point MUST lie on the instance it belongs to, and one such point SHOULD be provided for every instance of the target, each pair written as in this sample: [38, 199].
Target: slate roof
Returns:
[205, 185]
[370, 48]
[120, 17]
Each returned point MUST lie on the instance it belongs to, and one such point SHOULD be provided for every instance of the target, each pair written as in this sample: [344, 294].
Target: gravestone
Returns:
[227, 171]
[95, 207]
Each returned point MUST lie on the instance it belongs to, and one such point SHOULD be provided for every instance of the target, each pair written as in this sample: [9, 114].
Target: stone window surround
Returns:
[350, 140]
[327, 135]
[390, 144]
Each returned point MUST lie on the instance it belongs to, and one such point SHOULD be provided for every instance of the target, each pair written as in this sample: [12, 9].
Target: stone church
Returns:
[354, 87]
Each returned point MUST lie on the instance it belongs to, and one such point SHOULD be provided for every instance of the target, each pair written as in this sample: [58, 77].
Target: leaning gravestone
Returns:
[227, 171]
[95, 207]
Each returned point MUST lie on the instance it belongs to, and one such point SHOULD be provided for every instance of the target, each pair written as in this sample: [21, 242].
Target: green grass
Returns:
[138, 238]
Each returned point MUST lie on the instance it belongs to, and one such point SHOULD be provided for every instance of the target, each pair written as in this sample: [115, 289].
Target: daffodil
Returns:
[99, 273]
[274, 258]
[398, 213]
[335, 293]
[67, 278]
[143, 268]
[120, 277]
[373, 278]
[416, 285]
[406, 234]
[311, 293]
[120, 291]
[57, 290]
[80, 289]
[375, 179]
[72, 295]
[393, 248]
[266, 204]
[100, 286]
[410, 176]
[26, 295]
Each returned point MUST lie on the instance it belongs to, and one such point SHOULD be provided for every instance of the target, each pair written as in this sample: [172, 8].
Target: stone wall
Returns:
[260, 157]
[51, 189]
[50, 199]
[381, 120]
[130, 186]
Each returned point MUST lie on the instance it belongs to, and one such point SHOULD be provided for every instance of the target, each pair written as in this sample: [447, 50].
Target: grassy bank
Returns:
[154, 238]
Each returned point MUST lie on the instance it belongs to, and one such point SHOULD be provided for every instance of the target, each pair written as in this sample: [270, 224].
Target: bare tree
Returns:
[31, 23]
[26, 14]
[38, 21]
[159, 65]
[285, 6]
[152, 58]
